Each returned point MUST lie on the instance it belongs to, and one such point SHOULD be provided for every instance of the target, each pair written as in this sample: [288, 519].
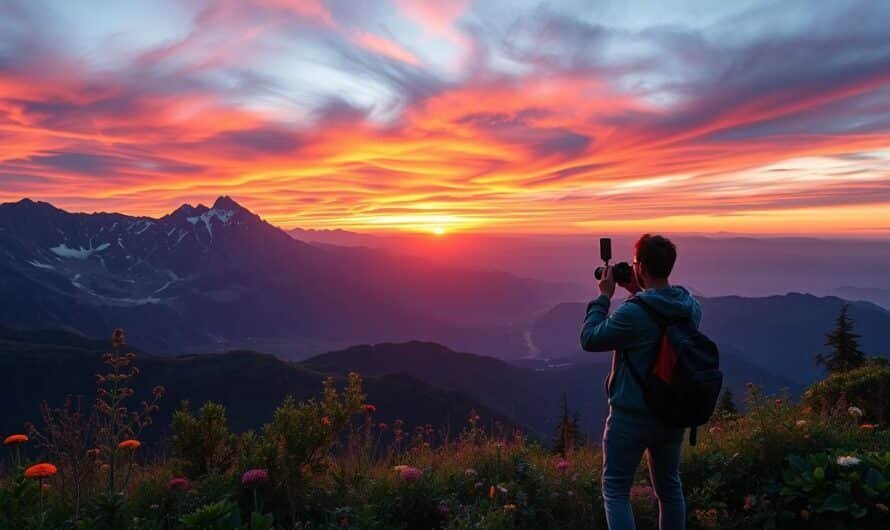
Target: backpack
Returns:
[682, 385]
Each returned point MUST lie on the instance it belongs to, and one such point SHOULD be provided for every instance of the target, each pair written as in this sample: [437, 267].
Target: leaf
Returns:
[798, 463]
[836, 503]
[260, 521]
[819, 473]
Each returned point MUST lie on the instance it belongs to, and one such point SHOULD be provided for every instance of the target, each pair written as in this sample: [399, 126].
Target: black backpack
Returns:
[690, 395]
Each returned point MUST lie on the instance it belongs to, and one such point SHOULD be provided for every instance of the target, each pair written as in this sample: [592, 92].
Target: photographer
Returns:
[634, 335]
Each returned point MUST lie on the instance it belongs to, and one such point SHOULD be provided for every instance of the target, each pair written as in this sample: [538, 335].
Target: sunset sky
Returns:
[488, 116]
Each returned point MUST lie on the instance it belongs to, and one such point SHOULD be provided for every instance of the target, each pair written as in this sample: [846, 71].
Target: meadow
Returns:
[819, 462]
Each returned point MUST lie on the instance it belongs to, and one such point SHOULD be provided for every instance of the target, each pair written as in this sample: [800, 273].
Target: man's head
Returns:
[654, 258]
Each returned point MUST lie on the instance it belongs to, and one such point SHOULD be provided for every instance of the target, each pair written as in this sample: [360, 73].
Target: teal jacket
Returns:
[633, 335]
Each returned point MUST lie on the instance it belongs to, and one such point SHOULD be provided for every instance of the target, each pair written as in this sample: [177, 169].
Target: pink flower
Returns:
[410, 474]
[562, 465]
[370, 409]
[254, 477]
[179, 483]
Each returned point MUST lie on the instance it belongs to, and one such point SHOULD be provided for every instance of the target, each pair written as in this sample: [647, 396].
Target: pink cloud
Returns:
[385, 47]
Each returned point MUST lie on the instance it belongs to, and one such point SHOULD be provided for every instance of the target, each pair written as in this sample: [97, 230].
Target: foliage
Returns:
[726, 407]
[867, 388]
[568, 435]
[203, 443]
[845, 354]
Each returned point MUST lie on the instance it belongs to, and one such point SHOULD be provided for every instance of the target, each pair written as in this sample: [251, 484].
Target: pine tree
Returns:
[845, 354]
[568, 435]
[726, 407]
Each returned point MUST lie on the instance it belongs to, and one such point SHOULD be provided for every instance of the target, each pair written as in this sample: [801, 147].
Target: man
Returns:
[631, 428]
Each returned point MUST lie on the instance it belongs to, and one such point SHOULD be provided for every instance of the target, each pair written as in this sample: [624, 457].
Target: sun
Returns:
[438, 230]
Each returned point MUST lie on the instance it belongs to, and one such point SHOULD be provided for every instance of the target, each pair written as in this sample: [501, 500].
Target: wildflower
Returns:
[847, 461]
[509, 507]
[15, 439]
[470, 472]
[801, 423]
[154, 507]
[370, 409]
[868, 426]
[410, 474]
[178, 483]
[381, 426]
[491, 491]
[855, 411]
[130, 445]
[502, 489]
[325, 421]
[715, 430]
[400, 468]
[443, 509]
[41, 471]
[778, 402]
[749, 502]
[562, 465]
[882, 507]
[255, 477]
[478, 485]
[117, 338]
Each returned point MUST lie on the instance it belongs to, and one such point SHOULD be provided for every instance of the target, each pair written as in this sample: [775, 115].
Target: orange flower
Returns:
[868, 426]
[491, 492]
[510, 507]
[326, 421]
[15, 439]
[42, 470]
[130, 445]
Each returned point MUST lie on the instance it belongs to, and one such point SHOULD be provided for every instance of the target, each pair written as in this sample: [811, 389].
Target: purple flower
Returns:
[255, 477]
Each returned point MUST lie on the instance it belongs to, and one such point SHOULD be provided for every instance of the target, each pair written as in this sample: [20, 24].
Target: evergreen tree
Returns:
[726, 407]
[845, 354]
[568, 435]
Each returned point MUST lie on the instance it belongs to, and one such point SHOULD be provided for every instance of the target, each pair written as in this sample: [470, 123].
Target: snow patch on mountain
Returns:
[39, 265]
[64, 251]
[223, 215]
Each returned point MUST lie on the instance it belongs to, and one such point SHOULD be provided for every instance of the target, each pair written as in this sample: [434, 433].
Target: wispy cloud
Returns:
[319, 116]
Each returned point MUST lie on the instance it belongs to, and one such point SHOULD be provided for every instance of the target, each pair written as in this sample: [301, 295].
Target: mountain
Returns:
[530, 395]
[338, 237]
[218, 278]
[875, 295]
[50, 365]
[779, 335]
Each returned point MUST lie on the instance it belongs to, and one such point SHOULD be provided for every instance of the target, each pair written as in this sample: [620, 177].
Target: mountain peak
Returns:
[224, 202]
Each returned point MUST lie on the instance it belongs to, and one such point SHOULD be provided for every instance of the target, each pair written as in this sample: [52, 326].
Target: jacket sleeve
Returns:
[605, 333]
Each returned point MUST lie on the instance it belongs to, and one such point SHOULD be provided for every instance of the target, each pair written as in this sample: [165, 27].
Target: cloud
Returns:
[556, 124]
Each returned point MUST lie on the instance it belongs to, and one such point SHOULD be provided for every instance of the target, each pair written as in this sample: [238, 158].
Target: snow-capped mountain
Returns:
[200, 275]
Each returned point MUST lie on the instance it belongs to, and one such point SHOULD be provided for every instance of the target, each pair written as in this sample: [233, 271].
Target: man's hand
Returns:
[607, 283]
[633, 287]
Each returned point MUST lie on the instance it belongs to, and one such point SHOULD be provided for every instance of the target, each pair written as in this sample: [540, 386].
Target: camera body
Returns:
[622, 272]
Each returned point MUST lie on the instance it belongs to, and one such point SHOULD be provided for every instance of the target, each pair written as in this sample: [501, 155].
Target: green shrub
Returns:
[867, 388]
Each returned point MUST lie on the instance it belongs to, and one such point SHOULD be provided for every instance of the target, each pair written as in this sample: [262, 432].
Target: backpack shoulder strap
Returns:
[656, 316]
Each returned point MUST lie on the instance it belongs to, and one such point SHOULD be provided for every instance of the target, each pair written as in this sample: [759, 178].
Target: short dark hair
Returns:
[657, 253]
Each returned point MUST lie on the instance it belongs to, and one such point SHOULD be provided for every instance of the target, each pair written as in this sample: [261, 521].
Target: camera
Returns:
[622, 272]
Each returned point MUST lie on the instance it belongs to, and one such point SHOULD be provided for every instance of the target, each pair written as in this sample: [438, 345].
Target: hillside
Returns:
[36, 366]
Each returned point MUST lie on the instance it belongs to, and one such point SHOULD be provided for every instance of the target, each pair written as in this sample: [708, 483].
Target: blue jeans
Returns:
[624, 440]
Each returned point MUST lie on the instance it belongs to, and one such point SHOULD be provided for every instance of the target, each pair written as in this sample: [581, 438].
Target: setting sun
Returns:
[439, 231]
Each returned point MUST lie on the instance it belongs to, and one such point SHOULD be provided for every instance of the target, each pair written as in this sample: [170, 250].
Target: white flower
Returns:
[855, 411]
[847, 461]
[470, 472]
[502, 489]
[801, 423]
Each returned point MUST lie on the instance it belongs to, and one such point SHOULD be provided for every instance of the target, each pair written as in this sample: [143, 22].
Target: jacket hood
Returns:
[672, 302]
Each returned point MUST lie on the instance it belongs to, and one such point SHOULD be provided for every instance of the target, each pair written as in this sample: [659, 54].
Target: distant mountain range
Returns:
[780, 335]
[50, 365]
[219, 278]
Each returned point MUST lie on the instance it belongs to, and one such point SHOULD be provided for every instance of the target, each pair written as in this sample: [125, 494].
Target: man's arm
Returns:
[602, 332]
